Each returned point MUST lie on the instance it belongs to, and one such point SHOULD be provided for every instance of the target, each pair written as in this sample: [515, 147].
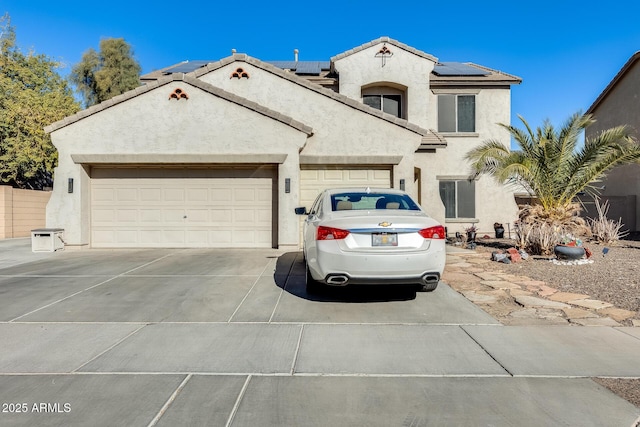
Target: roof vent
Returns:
[295, 55]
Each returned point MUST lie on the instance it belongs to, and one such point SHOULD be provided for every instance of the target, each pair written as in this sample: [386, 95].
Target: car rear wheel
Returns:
[313, 286]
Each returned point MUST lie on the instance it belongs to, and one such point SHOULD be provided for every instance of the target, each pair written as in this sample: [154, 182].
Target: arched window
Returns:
[390, 99]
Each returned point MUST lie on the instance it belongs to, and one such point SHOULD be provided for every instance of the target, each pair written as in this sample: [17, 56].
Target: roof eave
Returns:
[635, 57]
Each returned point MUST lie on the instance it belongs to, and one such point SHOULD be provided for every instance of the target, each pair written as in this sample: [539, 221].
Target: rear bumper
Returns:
[415, 267]
[344, 279]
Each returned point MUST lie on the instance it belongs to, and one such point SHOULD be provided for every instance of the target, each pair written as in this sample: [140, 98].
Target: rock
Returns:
[593, 304]
[578, 313]
[499, 284]
[567, 297]
[595, 321]
[529, 301]
[617, 314]
[514, 255]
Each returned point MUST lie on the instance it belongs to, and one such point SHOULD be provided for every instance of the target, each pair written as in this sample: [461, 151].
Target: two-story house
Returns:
[617, 105]
[219, 153]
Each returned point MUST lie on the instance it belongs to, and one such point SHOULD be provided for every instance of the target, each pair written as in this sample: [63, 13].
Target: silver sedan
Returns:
[371, 236]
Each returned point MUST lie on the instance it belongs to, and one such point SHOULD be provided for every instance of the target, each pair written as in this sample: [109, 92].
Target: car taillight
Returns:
[436, 232]
[329, 233]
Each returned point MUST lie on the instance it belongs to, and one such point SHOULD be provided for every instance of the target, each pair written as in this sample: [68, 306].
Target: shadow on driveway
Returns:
[290, 276]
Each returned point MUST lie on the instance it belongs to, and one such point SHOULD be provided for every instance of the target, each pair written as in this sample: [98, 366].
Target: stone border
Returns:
[519, 300]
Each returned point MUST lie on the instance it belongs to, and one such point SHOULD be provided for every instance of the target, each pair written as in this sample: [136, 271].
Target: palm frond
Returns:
[549, 161]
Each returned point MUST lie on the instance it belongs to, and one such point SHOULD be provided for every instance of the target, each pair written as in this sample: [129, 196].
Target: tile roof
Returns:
[193, 82]
[385, 40]
[313, 87]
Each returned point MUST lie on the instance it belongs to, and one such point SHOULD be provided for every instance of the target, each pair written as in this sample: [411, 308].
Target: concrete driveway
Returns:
[230, 337]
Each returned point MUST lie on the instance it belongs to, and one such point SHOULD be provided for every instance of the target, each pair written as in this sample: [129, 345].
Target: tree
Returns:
[32, 96]
[102, 75]
[550, 164]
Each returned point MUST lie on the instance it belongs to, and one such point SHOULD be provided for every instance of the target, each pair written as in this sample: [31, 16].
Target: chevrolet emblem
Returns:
[384, 224]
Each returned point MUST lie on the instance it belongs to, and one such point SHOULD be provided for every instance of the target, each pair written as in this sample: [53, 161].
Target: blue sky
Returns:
[566, 52]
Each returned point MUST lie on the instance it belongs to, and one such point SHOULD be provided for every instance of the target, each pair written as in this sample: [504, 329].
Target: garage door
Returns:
[169, 208]
[315, 179]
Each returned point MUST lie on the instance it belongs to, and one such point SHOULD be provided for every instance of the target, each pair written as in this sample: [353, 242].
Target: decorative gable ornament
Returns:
[384, 53]
[240, 73]
[178, 94]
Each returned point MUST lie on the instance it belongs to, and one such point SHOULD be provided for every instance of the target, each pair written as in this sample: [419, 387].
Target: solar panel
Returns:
[187, 67]
[303, 67]
[458, 69]
[285, 65]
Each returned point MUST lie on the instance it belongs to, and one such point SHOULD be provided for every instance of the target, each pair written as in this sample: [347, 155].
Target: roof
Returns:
[187, 79]
[313, 87]
[389, 40]
[626, 67]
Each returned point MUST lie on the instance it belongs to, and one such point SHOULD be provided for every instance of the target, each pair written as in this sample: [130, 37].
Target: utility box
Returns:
[47, 239]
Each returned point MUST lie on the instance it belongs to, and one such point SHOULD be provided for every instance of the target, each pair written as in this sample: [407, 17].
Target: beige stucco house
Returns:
[219, 153]
[619, 104]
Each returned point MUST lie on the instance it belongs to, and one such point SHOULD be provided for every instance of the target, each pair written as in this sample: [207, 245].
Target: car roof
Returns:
[365, 190]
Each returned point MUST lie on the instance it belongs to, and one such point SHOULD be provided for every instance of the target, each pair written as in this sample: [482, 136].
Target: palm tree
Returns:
[552, 165]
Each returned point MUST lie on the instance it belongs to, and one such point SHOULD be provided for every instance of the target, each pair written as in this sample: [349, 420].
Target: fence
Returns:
[21, 211]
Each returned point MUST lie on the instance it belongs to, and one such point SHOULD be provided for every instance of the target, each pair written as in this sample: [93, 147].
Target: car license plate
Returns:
[384, 239]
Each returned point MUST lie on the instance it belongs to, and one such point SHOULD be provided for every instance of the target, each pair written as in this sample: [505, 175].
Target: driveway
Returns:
[230, 337]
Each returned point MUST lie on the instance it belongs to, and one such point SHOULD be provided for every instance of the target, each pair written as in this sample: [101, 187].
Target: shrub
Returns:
[538, 230]
[603, 229]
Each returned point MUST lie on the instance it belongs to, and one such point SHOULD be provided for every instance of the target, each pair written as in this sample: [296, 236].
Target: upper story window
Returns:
[386, 98]
[456, 113]
[391, 104]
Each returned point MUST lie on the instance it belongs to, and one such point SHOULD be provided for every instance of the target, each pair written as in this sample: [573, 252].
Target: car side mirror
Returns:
[301, 211]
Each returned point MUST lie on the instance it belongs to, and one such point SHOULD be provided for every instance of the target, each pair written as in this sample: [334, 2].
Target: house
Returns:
[619, 104]
[219, 153]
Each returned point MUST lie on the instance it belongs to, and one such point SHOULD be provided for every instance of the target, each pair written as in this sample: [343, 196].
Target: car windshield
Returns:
[371, 201]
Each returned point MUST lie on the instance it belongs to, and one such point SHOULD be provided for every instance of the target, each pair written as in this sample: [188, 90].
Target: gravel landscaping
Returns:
[613, 277]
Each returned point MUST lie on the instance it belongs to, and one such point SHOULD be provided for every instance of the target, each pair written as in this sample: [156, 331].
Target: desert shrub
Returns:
[539, 230]
[603, 229]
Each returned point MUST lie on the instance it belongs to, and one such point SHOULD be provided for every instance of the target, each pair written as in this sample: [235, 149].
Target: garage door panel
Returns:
[181, 212]
[151, 194]
[173, 195]
[221, 194]
[126, 237]
[317, 178]
[127, 195]
[197, 195]
[103, 194]
[101, 216]
[198, 215]
[313, 181]
[150, 237]
[127, 215]
[150, 216]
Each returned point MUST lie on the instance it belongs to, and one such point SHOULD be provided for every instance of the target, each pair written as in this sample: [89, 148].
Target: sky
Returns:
[565, 51]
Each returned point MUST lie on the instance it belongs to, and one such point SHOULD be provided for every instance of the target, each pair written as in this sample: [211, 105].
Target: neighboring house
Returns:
[219, 153]
[619, 104]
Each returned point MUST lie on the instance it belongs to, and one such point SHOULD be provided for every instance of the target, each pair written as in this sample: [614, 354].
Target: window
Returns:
[391, 104]
[459, 198]
[370, 201]
[456, 113]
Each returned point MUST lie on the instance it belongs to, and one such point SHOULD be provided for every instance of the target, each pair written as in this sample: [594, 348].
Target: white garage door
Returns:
[314, 180]
[156, 209]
